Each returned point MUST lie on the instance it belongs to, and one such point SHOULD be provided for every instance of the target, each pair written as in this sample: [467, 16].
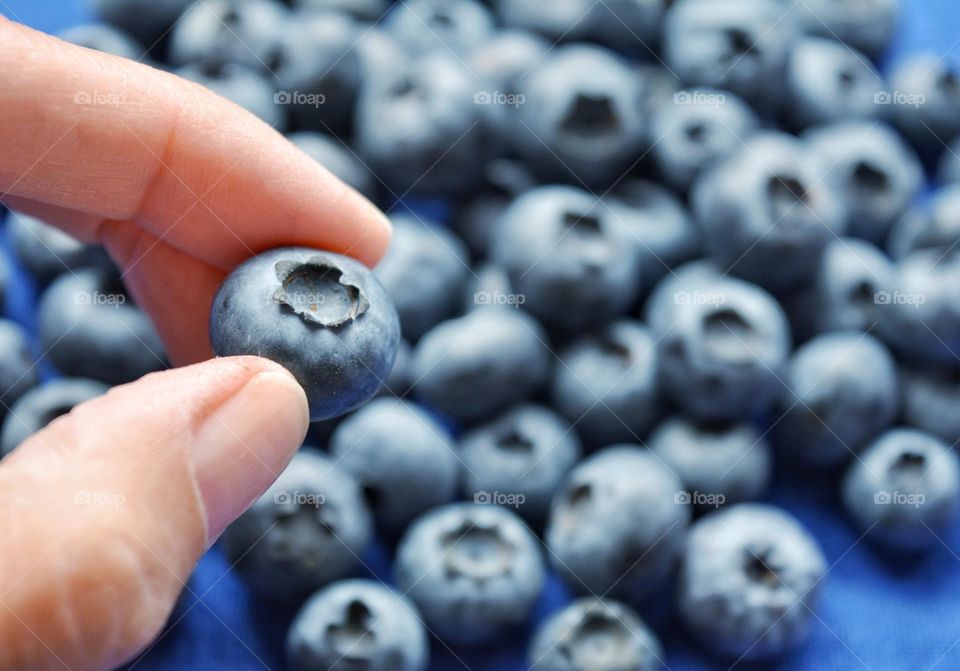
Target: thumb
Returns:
[108, 509]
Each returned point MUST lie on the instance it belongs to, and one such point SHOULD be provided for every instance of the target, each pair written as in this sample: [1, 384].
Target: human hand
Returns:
[109, 508]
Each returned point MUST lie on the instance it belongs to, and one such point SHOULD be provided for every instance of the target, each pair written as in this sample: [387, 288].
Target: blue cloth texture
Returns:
[876, 614]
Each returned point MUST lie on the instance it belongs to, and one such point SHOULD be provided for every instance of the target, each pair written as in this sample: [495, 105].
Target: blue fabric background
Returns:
[877, 614]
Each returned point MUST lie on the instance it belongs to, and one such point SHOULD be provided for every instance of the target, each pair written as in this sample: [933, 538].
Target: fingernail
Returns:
[242, 447]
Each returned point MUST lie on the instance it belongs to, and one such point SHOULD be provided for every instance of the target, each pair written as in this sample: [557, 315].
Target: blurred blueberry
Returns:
[935, 226]
[931, 401]
[400, 380]
[948, 169]
[242, 85]
[46, 251]
[489, 286]
[367, 10]
[18, 371]
[449, 25]
[146, 20]
[105, 38]
[39, 406]
[867, 25]
[925, 92]
[338, 158]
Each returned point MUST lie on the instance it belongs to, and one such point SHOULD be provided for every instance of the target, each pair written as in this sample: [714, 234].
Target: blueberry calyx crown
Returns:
[318, 292]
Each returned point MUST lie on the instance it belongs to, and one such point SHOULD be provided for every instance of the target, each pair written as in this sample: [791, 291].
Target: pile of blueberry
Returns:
[686, 251]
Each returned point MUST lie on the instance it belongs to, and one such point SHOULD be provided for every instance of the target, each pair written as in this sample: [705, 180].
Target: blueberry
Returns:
[39, 406]
[867, 25]
[89, 328]
[402, 458]
[46, 251]
[474, 571]
[927, 96]
[338, 158]
[357, 625]
[367, 10]
[321, 315]
[146, 20]
[722, 345]
[694, 128]
[318, 70]
[719, 463]
[739, 45]
[309, 529]
[242, 85]
[473, 366]
[580, 119]
[663, 230]
[4, 281]
[400, 380]
[827, 81]
[766, 213]
[841, 390]
[417, 126]
[931, 401]
[936, 226]
[573, 261]
[615, 526]
[561, 20]
[17, 368]
[249, 32]
[424, 272]
[948, 168]
[674, 289]
[631, 26]
[904, 490]
[519, 459]
[105, 38]
[490, 286]
[449, 25]
[591, 634]
[606, 383]
[872, 169]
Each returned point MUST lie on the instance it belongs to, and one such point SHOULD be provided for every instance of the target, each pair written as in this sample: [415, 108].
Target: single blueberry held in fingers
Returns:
[309, 529]
[41, 405]
[617, 525]
[357, 625]
[474, 571]
[749, 579]
[17, 368]
[593, 634]
[322, 316]
[905, 489]
[931, 401]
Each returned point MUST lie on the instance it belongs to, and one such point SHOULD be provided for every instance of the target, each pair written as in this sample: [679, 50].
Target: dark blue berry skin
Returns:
[931, 401]
[749, 579]
[525, 452]
[739, 45]
[105, 38]
[338, 158]
[471, 367]
[357, 625]
[308, 530]
[146, 20]
[41, 405]
[766, 213]
[251, 33]
[424, 272]
[399, 382]
[475, 572]
[694, 128]
[402, 458]
[867, 26]
[418, 128]
[904, 490]
[440, 25]
[722, 345]
[874, 172]
[565, 20]
[718, 463]
[591, 634]
[17, 368]
[928, 97]
[368, 10]
[88, 327]
[615, 526]
[935, 226]
[242, 85]
[579, 120]
[948, 168]
[322, 316]
[606, 382]
[827, 81]
[46, 251]
[842, 389]
[574, 262]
